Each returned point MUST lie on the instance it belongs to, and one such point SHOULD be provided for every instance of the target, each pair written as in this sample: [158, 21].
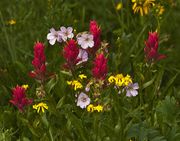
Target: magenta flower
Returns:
[99, 70]
[71, 53]
[151, 49]
[39, 62]
[19, 98]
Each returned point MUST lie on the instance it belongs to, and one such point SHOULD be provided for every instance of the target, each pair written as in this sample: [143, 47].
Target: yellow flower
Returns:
[119, 80]
[98, 108]
[111, 79]
[25, 86]
[119, 6]
[142, 6]
[82, 76]
[12, 22]
[90, 108]
[127, 80]
[160, 10]
[40, 107]
[76, 84]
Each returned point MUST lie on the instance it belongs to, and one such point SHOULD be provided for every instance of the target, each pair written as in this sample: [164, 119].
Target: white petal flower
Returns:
[66, 33]
[54, 36]
[131, 89]
[83, 100]
[83, 55]
[85, 40]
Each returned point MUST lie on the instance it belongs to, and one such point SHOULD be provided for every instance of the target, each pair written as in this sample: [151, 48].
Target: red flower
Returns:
[96, 32]
[19, 98]
[100, 67]
[70, 53]
[39, 62]
[151, 49]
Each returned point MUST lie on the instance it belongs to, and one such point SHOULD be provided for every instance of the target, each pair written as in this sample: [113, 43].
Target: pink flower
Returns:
[19, 98]
[96, 32]
[100, 67]
[39, 62]
[151, 49]
[70, 53]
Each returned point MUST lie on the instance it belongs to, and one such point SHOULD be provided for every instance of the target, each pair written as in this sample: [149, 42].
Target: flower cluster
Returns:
[151, 48]
[19, 98]
[92, 108]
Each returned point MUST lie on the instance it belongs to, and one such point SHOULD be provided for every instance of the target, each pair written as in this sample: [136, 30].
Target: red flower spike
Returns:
[151, 49]
[100, 67]
[70, 54]
[96, 32]
[39, 62]
[19, 98]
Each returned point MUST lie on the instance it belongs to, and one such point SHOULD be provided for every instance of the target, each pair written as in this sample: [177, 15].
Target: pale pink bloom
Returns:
[54, 36]
[83, 100]
[131, 89]
[66, 33]
[83, 56]
[85, 40]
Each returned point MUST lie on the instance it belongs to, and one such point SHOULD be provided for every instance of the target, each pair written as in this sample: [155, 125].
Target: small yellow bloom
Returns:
[111, 79]
[90, 108]
[98, 108]
[160, 10]
[25, 86]
[119, 6]
[127, 80]
[40, 107]
[119, 80]
[76, 84]
[69, 82]
[82, 76]
[12, 22]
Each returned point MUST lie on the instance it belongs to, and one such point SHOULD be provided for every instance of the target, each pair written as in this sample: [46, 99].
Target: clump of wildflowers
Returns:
[19, 98]
[40, 107]
[151, 48]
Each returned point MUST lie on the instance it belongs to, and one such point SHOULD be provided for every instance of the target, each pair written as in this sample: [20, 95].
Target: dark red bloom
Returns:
[96, 32]
[151, 49]
[39, 62]
[19, 98]
[100, 67]
[70, 53]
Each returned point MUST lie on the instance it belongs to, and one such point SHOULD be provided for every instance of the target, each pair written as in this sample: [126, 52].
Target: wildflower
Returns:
[159, 9]
[100, 67]
[40, 107]
[90, 108]
[66, 33]
[119, 80]
[19, 98]
[25, 86]
[98, 108]
[119, 6]
[83, 100]
[76, 84]
[151, 49]
[96, 32]
[82, 56]
[127, 80]
[85, 40]
[111, 79]
[39, 62]
[71, 53]
[131, 89]
[82, 76]
[12, 22]
[142, 6]
[54, 36]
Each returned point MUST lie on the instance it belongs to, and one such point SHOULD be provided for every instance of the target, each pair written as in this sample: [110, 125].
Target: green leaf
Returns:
[60, 102]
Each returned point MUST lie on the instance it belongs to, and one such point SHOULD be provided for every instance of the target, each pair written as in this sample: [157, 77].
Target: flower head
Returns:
[82, 76]
[82, 56]
[66, 33]
[71, 53]
[25, 86]
[19, 98]
[96, 32]
[131, 89]
[151, 49]
[76, 84]
[83, 100]
[85, 40]
[142, 6]
[119, 6]
[54, 36]
[39, 62]
[99, 70]
[40, 107]
[12, 22]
